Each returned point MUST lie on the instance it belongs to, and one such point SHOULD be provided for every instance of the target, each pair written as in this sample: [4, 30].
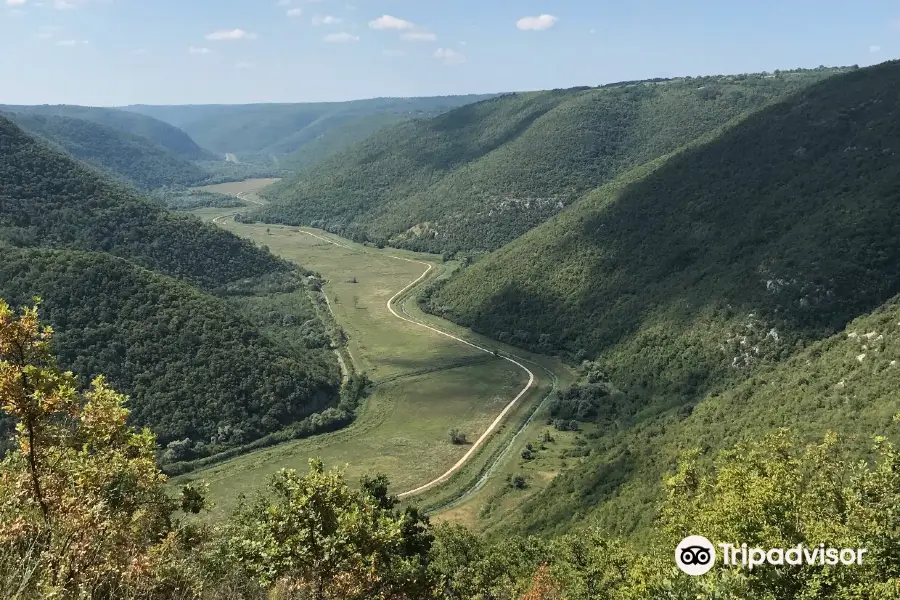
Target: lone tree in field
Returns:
[457, 437]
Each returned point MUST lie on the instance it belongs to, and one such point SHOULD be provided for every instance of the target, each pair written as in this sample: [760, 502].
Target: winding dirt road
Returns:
[239, 196]
[405, 317]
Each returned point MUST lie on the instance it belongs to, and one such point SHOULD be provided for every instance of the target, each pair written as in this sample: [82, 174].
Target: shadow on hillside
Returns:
[793, 213]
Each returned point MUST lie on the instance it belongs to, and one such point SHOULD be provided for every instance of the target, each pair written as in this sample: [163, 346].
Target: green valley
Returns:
[629, 341]
[418, 376]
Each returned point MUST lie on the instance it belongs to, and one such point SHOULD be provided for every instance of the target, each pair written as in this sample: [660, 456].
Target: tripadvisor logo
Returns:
[696, 555]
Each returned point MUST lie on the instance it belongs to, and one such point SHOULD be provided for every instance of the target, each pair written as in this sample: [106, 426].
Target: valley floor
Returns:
[425, 383]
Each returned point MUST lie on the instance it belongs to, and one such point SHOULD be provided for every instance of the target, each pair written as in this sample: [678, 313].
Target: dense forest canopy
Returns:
[142, 295]
[695, 272]
[191, 199]
[476, 177]
[789, 214]
[157, 131]
[196, 368]
[127, 156]
[845, 383]
[47, 199]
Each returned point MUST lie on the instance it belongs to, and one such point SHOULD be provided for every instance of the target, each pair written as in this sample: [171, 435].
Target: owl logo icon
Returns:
[695, 555]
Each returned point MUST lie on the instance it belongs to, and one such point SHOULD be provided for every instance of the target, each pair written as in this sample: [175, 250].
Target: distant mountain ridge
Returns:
[270, 133]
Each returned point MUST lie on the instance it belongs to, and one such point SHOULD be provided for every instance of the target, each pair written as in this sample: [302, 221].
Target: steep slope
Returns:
[194, 367]
[846, 383]
[709, 268]
[129, 157]
[269, 133]
[788, 219]
[130, 307]
[479, 176]
[157, 131]
[47, 199]
[337, 137]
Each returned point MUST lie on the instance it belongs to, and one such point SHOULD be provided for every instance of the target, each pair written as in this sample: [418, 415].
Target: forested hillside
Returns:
[477, 177]
[191, 199]
[195, 368]
[330, 136]
[846, 383]
[157, 131]
[269, 133]
[130, 157]
[790, 215]
[47, 199]
[81, 489]
[689, 275]
[118, 275]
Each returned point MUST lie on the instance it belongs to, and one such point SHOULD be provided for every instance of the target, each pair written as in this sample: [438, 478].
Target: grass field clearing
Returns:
[425, 383]
[234, 188]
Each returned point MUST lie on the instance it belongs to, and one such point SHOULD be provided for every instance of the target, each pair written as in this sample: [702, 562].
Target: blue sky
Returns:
[114, 52]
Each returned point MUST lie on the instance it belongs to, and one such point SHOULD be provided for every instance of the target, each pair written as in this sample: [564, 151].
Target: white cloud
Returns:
[339, 38]
[230, 35]
[47, 32]
[295, 12]
[70, 43]
[389, 22]
[195, 50]
[242, 65]
[539, 23]
[57, 4]
[16, 2]
[419, 36]
[326, 20]
[874, 49]
[449, 56]
[283, 3]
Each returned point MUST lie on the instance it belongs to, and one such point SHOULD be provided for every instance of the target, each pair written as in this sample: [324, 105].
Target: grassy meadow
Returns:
[237, 187]
[425, 383]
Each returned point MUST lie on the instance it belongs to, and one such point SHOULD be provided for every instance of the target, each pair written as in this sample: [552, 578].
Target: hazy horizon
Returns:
[121, 52]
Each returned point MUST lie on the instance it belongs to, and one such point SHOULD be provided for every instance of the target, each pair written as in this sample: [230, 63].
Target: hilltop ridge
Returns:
[476, 177]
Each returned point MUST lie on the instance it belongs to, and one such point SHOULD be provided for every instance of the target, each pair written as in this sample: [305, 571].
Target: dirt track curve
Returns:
[496, 422]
